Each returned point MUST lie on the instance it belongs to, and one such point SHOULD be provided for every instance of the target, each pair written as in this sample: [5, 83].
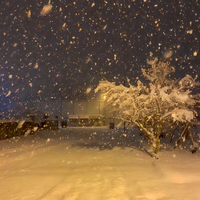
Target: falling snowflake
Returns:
[20, 124]
[36, 66]
[63, 26]
[88, 90]
[27, 132]
[195, 53]
[105, 27]
[9, 92]
[88, 60]
[168, 54]
[46, 10]
[35, 128]
[29, 14]
[48, 140]
[189, 31]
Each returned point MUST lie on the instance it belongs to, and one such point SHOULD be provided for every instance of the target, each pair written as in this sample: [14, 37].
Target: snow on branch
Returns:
[158, 72]
[182, 115]
[188, 82]
[163, 97]
[151, 105]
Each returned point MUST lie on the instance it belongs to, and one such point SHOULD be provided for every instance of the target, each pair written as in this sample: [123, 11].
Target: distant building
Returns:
[78, 112]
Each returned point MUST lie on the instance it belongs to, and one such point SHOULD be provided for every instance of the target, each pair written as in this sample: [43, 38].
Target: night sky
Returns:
[61, 54]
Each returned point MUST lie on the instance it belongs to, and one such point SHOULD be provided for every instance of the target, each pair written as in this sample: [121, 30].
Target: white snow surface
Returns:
[72, 164]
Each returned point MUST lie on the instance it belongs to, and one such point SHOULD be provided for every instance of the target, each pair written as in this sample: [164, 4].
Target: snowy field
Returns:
[94, 164]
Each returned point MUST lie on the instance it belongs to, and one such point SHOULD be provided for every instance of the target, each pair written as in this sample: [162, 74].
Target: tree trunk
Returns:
[153, 139]
[157, 148]
[152, 146]
[152, 143]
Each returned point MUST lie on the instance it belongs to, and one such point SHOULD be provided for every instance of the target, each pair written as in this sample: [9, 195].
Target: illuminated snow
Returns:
[32, 168]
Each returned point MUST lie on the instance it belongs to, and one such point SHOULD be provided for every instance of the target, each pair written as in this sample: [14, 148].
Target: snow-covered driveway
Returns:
[69, 165]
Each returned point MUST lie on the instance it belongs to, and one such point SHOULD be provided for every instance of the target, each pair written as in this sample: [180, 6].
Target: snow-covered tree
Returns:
[151, 106]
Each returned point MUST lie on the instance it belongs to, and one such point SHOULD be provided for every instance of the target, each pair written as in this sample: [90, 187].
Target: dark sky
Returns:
[74, 46]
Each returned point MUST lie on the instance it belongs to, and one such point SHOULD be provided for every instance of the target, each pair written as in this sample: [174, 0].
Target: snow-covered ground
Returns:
[94, 164]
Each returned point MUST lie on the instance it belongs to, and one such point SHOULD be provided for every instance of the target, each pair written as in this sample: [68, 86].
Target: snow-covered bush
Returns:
[150, 106]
